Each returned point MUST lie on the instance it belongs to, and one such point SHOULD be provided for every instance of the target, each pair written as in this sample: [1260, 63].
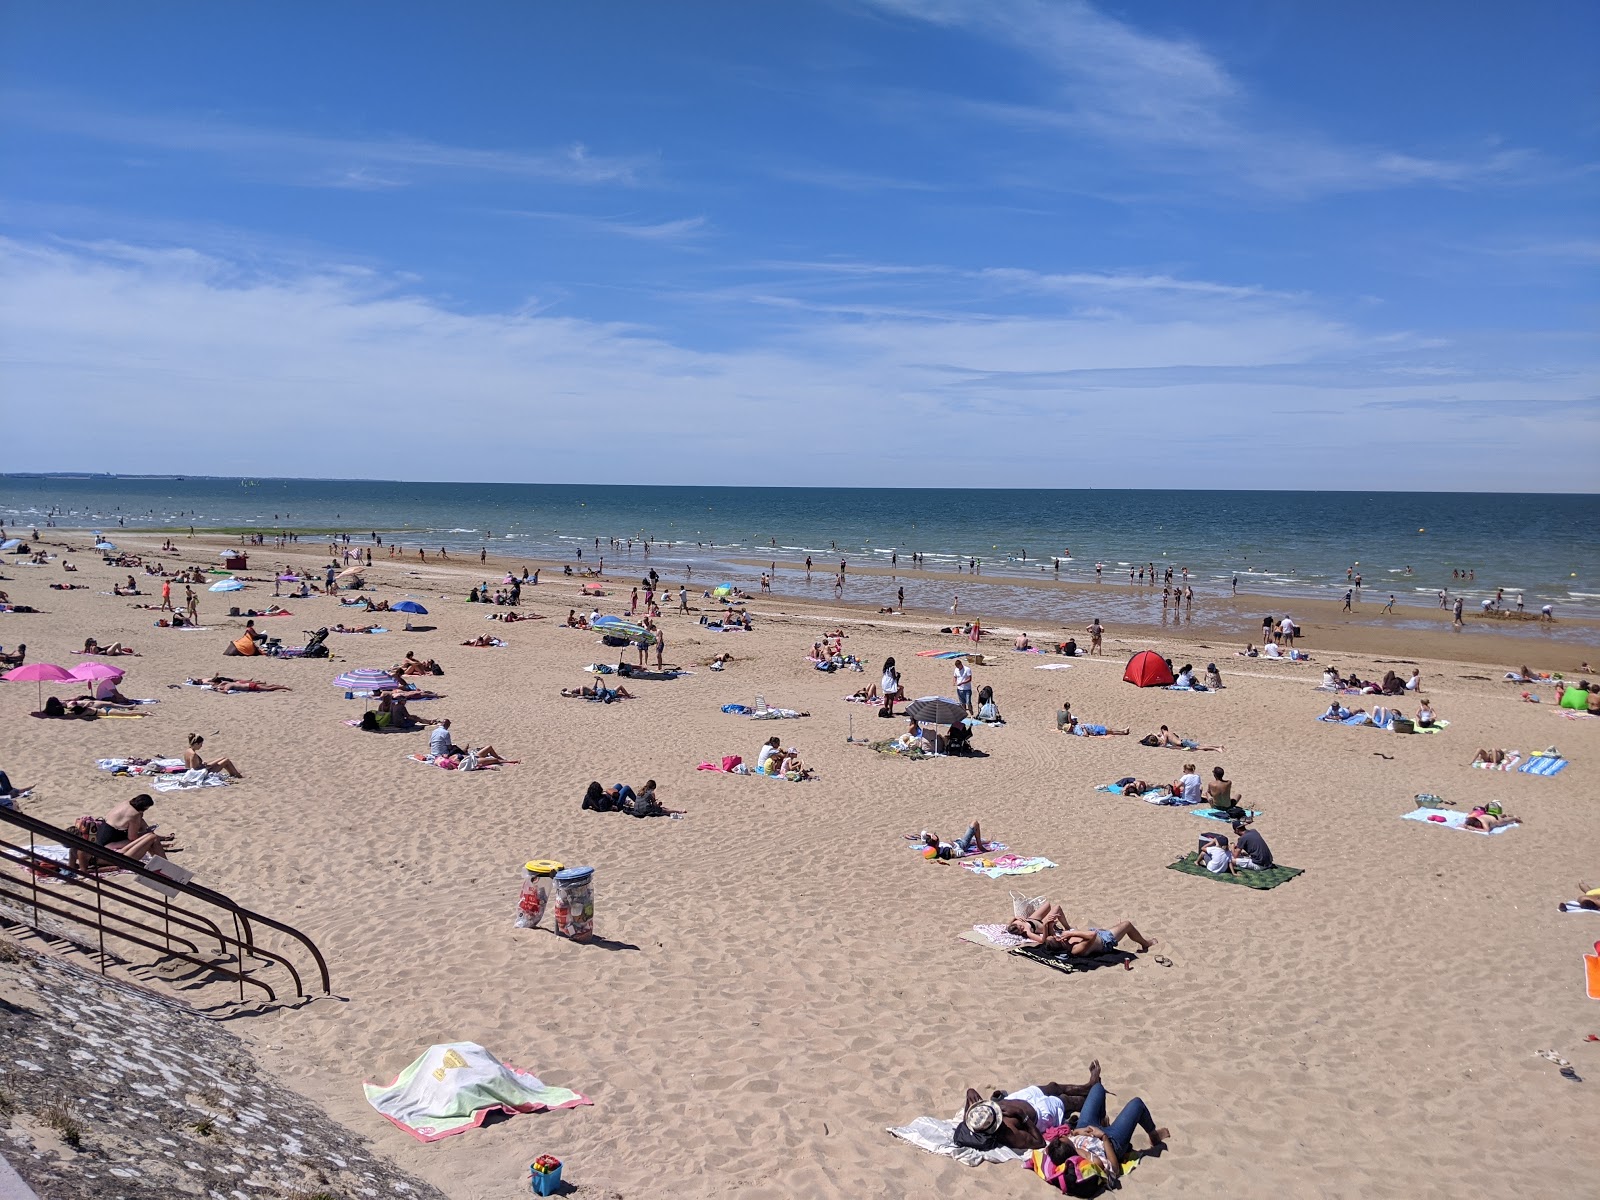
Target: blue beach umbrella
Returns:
[409, 606]
[10, 544]
[618, 628]
[226, 585]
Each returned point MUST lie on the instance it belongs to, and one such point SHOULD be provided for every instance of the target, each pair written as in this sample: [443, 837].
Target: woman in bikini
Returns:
[194, 762]
[1487, 820]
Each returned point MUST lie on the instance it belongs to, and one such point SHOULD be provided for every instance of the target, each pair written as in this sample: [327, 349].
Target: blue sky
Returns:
[908, 242]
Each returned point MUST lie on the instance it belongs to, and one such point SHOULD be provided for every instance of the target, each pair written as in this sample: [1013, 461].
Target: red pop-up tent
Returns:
[1147, 669]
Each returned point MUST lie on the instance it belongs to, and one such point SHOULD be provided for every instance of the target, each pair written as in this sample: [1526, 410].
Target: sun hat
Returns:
[982, 1116]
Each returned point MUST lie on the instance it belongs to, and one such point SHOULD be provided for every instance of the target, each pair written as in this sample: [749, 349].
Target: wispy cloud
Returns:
[681, 230]
[1174, 105]
[316, 160]
[135, 340]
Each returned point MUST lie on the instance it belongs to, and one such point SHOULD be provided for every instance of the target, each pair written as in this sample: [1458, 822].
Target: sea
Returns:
[1279, 545]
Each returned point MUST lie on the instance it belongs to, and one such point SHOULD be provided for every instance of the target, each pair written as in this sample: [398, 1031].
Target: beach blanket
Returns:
[1544, 764]
[1513, 757]
[742, 768]
[1072, 964]
[937, 1137]
[1449, 820]
[1178, 687]
[1005, 864]
[1575, 716]
[1567, 906]
[455, 762]
[1053, 667]
[941, 654]
[454, 1087]
[190, 780]
[374, 629]
[1261, 881]
[1216, 814]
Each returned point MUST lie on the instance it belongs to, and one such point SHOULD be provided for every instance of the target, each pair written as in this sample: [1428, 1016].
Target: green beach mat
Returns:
[1261, 881]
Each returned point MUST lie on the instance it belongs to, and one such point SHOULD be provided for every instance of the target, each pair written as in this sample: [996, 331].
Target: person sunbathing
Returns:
[1494, 758]
[970, 842]
[194, 762]
[1164, 737]
[1022, 642]
[343, 628]
[1337, 712]
[1425, 715]
[1082, 729]
[1018, 1120]
[1249, 651]
[221, 683]
[415, 666]
[1588, 897]
[1490, 818]
[90, 646]
[125, 830]
[1219, 794]
[598, 692]
[1050, 930]
[866, 695]
[483, 640]
[80, 707]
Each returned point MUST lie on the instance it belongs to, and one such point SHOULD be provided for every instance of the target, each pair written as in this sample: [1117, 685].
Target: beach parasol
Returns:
[366, 679]
[409, 606]
[936, 710]
[355, 570]
[105, 546]
[226, 585]
[618, 628]
[289, 577]
[9, 545]
[722, 589]
[39, 673]
[96, 670]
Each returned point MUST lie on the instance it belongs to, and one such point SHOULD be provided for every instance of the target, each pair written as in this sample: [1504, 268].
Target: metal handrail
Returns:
[242, 942]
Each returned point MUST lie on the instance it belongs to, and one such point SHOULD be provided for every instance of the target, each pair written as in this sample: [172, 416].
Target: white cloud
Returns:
[680, 230]
[1174, 106]
[313, 160]
[186, 361]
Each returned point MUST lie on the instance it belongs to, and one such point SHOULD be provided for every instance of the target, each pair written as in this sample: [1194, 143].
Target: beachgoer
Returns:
[1489, 818]
[1219, 793]
[970, 842]
[1088, 1156]
[1096, 631]
[963, 681]
[889, 685]
[1081, 729]
[194, 762]
[125, 830]
[1018, 1119]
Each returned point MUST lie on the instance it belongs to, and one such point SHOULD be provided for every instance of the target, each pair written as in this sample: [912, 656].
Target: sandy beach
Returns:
[778, 977]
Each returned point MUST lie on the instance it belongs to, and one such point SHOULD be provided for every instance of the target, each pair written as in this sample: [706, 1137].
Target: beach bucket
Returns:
[574, 908]
[544, 1175]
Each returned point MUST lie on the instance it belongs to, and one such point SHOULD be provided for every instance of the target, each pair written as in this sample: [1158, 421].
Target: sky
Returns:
[846, 242]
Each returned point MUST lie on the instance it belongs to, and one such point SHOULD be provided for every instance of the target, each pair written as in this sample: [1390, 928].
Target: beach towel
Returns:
[938, 1137]
[1072, 964]
[1053, 667]
[1449, 820]
[1005, 864]
[1544, 764]
[995, 937]
[190, 780]
[374, 629]
[1178, 687]
[1216, 814]
[1513, 757]
[1261, 881]
[454, 1087]
[1576, 716]
[1567, 906]
[941, 654]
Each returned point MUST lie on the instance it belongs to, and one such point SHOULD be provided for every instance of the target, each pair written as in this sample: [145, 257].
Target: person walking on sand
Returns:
[166, 595]
[1347, 594]
[955, 603]
[1096, 631]
[1457, 621]
[1389, 607]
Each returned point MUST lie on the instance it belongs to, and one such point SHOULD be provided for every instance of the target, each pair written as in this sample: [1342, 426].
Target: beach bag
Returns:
[1575, 698]
[730, 761]
[1404, 725]
[1022, 905]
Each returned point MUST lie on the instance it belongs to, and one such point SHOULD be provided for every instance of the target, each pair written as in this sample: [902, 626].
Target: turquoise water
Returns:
[1284, 544]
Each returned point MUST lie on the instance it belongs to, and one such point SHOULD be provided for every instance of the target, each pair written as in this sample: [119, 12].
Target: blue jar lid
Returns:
[574, 874]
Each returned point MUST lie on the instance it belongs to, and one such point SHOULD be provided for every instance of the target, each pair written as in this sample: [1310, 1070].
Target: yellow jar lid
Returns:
[542, 866]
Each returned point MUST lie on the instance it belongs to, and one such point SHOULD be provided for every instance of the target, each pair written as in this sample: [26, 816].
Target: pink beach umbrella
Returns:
[39, 673]
[102, 678]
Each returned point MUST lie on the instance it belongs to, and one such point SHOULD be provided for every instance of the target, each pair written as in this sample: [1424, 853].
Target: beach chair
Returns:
[760, 706]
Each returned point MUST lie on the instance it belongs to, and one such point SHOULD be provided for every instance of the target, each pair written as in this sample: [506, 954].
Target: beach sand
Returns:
[778, 977]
